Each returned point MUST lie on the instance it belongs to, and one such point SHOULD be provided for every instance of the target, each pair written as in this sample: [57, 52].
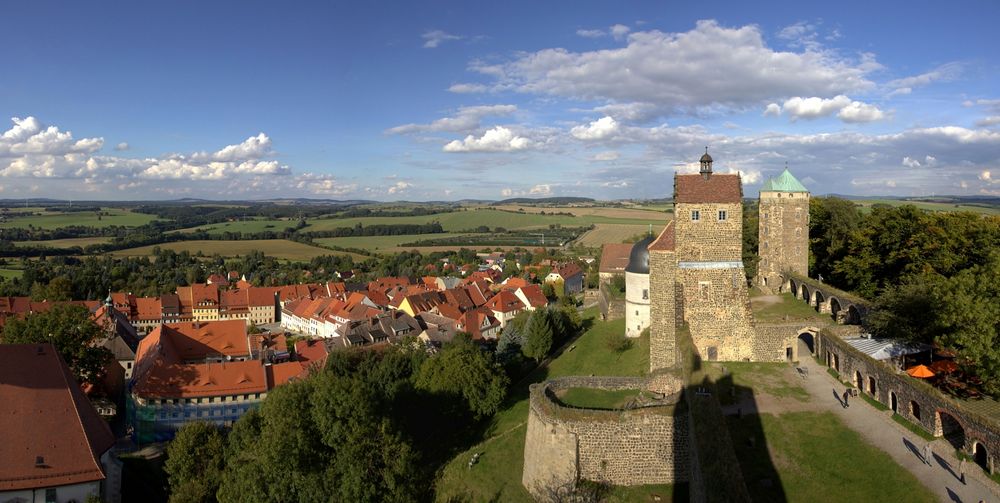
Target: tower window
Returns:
[695, 215]
[645, 294]
[722, 215]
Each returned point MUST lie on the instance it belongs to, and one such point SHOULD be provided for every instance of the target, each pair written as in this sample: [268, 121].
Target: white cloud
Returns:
[507, 192]
[400, 187]
[910, 162]
[498, 139]
[899, 92]
[992, 120]
[468, 88]
[945, 72]
[619, 31]
[252, 148]
[591, 33]
[434, 38]
[326, 185]
[596, 130]
[608, 155]
[773, 109]
[683, 70]
[748, 176]
[121, 147]
[860, 112]
[815, 107]
[985, 176]
[466, 119]
[542, 189]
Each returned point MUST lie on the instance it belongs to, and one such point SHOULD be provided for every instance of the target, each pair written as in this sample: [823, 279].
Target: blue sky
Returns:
[452, 100]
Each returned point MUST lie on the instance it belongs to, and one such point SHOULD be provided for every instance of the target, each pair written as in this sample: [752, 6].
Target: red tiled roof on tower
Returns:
[714, 189]
[665, 241]
[52, 436]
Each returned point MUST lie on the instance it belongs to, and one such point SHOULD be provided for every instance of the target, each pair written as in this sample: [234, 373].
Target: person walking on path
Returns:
[928, 453]
[847, 393]
[961, 471]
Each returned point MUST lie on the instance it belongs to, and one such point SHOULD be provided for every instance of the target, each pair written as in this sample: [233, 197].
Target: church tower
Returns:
[783, 230]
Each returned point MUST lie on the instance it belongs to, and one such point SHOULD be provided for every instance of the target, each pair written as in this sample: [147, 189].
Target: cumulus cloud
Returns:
[400, 187]
[857, 111]
[710, 65]
[507, 192]
[772, 109]
[607, 155]
[597, 130]
[542, 189]
[466, 119]
[985, 176]
[498, 139]
[326, 185]
[591, 33]
[619, 31]
[121, 147]
[846, 109]
[435, 38]
[992, 120]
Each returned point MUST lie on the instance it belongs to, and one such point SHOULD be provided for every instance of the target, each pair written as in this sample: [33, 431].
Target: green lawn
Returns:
[497, 475]
[788, 309]
[775, 379]
[591, 398]
[817, 459]
[54, 220]
[254, 225]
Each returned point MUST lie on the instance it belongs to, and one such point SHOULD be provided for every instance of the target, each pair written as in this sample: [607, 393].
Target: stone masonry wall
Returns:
[662, 310]
[708, 239]
[773, 341]
[783, 236]
[717, 310]
[639, 446]
[930, 403]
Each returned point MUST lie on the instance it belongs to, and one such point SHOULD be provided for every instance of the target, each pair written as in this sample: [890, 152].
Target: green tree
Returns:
[195, 461]
[463, 370]
[751, 221]
[73, 333]
[538, 336]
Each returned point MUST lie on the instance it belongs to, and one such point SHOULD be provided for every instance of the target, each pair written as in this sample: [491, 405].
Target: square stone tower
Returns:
[783, 231]
[711, 292]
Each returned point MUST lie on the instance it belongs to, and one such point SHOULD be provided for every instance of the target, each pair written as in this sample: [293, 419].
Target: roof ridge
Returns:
[64, 370]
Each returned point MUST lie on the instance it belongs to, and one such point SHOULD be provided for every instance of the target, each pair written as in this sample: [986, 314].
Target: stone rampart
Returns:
[917, 401]
[647, 445]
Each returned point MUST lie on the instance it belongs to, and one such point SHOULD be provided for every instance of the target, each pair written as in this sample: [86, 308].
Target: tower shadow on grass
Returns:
[732, 449]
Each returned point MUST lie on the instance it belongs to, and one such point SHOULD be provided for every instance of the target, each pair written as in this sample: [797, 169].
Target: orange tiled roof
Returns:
[665, 241]
[46, 415]
[716, 189]
[614, 257]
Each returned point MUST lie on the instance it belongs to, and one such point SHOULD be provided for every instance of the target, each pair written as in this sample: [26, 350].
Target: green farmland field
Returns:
[65, 243]
[278, 248]
[54, 220]
[866, 205]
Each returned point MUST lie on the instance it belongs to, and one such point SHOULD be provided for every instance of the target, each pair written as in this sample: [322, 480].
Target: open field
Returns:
[866, 205]
[614, 233]
[65, 243]
[278, 248]
[380, 243]
[54, 220]
[456, 221]
[586, 211]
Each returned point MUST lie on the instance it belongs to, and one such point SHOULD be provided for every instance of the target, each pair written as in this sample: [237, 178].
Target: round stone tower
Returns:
[637, 289]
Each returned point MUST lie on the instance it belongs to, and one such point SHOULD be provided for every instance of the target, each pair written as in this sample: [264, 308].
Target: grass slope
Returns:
[613, 233]
[381, 243]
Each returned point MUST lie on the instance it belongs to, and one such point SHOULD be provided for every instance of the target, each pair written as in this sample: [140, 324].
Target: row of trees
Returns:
[370, 427]
[934, 276]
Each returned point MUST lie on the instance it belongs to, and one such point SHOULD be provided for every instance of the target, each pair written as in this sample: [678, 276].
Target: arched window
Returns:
[915, 409]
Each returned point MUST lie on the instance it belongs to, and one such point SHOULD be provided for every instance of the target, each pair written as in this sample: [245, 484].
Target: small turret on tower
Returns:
[706, 165]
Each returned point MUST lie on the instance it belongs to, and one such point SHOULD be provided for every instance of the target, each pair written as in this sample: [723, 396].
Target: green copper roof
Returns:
[784, 182]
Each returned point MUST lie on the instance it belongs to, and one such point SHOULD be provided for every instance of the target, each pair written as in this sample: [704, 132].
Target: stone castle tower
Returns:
[783, 230]
[696, 271]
